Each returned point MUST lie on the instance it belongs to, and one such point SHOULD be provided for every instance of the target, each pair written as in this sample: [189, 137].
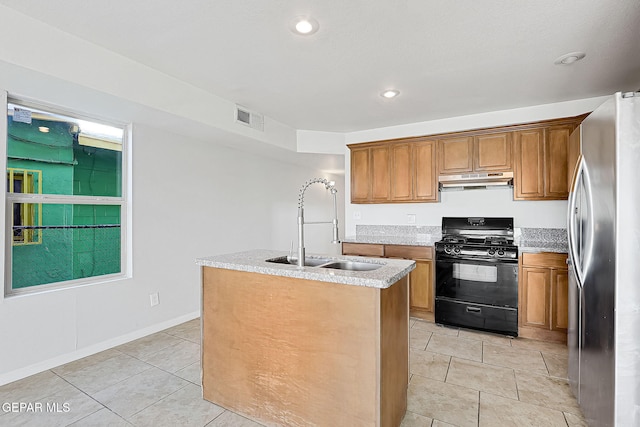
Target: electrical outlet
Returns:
[154, 298]
[411, 218]
[357, 215]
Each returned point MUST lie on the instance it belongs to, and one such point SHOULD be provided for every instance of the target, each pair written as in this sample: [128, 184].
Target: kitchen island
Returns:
[288, 345]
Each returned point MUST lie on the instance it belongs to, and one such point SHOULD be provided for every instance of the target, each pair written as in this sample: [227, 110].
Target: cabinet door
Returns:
[492, 152]
[455, 155]
[535, 298]
[401, 172]
[360, 175]
[421, 286]
[529, 165]
[556, 162]
[559, 300]
[380, 174]
[425, 185]
[574, 154]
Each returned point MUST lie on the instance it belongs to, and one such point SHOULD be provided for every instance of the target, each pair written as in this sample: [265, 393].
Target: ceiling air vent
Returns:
[249, 118]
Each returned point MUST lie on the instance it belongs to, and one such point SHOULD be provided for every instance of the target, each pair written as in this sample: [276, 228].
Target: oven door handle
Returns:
[479, 260]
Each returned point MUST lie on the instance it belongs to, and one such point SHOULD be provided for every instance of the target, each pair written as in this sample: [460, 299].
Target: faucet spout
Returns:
[329, 185]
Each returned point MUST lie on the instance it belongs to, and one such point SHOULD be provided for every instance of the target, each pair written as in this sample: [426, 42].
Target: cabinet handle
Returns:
[474, 309]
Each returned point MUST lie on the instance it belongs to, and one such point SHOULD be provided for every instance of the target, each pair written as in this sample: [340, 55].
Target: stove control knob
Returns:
[492, 251]
[500, 252]
[457, 249]
[447, 249]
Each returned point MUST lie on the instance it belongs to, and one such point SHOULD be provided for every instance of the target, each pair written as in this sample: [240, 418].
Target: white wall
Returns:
[191, 198]
[546, 214]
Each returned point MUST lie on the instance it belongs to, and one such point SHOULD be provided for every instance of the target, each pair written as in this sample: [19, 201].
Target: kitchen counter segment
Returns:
[254, 261]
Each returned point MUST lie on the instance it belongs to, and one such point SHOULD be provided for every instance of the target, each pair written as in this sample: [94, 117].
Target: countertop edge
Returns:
[254, 262]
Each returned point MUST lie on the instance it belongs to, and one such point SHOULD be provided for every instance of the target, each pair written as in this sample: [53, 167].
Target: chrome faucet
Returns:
[329, 185]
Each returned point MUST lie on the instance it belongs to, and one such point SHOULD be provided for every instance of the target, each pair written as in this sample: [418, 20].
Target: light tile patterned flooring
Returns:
[458, 378]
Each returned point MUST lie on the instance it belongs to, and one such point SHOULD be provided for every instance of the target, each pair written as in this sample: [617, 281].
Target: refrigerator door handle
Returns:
[571, 222]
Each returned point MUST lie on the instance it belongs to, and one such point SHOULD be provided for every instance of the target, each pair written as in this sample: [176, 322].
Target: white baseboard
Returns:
[27, 371]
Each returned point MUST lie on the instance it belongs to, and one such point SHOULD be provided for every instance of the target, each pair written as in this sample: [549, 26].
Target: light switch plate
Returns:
[411, 218]
[357, 215]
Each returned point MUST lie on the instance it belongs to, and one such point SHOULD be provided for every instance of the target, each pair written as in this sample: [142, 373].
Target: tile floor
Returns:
[458, 378]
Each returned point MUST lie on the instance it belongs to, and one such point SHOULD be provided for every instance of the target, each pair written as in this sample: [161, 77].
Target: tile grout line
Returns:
[479, 392]
[83, 392]
[150, 405]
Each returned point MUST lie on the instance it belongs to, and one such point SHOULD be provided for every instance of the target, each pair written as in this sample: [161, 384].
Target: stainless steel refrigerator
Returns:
[604, 265]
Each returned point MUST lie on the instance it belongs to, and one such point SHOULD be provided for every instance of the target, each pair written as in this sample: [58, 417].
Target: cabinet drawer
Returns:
[362, 249]
[408, 252]
[545, 260]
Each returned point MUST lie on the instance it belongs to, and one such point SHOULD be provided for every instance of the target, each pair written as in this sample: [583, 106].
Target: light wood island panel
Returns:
[300, 352]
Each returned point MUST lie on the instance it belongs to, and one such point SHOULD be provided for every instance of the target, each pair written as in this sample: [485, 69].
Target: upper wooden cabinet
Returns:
[574, 154]
[488, 152]
[360, 175]
[542, 163]
[529, 162]
[492, 152]
[425, 181]
[380, 165]
[406, 170]
[394, 172]
[455, 155]
[556, 147]
[370, 174]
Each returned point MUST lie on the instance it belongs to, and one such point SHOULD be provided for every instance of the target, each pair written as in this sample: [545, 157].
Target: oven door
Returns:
[477, 293]
[479, 281]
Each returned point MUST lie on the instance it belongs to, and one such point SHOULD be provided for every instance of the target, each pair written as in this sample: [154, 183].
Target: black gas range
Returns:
[477, 275]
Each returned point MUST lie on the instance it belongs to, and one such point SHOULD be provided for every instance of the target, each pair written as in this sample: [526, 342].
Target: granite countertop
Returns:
[528, 239]
[254, 261]
[542, 240]
[408, 240]
[533, 246]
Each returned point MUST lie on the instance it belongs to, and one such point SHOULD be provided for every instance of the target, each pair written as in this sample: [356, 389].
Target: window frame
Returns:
[31, 219]
[124, 201]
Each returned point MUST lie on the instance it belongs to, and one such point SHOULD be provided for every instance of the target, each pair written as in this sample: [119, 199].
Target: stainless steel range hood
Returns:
[476, 181]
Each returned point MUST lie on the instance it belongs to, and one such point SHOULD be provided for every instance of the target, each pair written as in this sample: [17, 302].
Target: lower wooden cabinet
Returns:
[421, 279]
[543, 296]
[421, 286]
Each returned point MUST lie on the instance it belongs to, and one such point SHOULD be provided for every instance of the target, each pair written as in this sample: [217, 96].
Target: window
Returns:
[66, 195]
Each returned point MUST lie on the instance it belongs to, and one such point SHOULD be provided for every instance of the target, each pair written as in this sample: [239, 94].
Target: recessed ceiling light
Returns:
[390, 93]
[303, 25]
[43, 129]
[569, 58]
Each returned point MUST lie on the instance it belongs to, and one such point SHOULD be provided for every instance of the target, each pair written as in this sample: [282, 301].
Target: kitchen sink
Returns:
[308, 261]
[352, 266]
[336, 264]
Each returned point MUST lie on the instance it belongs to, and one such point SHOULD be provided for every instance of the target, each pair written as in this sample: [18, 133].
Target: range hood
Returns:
[479, 180]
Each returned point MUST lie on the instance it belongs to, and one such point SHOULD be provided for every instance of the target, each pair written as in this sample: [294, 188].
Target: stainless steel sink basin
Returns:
[336, 264]
[308, 261]
[352, 266]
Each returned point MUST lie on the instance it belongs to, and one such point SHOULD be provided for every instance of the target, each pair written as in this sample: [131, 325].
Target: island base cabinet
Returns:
[297, 352]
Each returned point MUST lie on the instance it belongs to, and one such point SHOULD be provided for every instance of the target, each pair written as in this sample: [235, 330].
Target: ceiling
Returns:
[447, 58]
